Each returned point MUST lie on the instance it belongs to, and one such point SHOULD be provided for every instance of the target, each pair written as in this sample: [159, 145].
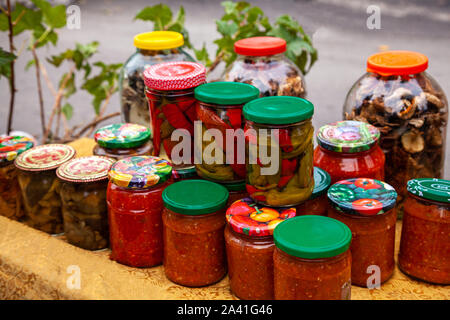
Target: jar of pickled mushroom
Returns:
[134, 209]
[40, 187]
[367, 207]
[193, 228]
[349, 149]
[188, 173]
[83, 195]
[410, 109]
[151, 48]
[261, 62]
[425, 242]
[10, 196]
[278, 134]
[121, 140]
[312, 260]
[317, 204]
[249, 244]
[220, 107]
[237, 191]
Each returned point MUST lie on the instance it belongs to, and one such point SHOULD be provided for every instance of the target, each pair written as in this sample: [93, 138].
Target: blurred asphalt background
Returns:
[338, 28]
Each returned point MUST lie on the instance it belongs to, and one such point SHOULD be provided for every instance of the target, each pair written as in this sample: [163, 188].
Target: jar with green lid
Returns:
[188, 173]
[193, 228]
[312, 260]
[220, 107]
[317, 204]
[83, 195]
[151, 48]
[279, 150]
[121, 140]
[237, 191]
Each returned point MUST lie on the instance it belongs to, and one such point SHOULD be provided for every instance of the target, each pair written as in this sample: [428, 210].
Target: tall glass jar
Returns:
[151, 48]
[317, 204]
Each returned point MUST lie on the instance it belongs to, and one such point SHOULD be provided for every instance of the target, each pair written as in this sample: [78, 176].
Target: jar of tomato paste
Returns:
[134, 209]
[187, 173]
[317, 204]
[193, 224]
[220, 108]
[237, 192]
[10, 197]
[425, 242]
[349, 149]
[278, 134]
[312, 260]
[366, 206]
[250, 246]
[121, 140]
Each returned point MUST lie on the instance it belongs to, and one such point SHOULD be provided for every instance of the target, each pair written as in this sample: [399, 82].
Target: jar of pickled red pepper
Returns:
[170, 93]
[312, 260]
[83, 195]
[151, 48]
[184, 174]
[425, 242]
[237, 192]
[121, 140]
[10, 196]
[40, 186]
[367, 207]
[261, 62]
[279, 145]
[134, 209]
[317, 204]
[349, 149]
[220, 108]
[193, 224]
[249, 244]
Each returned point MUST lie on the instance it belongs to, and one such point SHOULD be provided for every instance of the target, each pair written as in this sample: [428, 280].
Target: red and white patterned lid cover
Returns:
[176, 75]
[44, 157]
[85, 169]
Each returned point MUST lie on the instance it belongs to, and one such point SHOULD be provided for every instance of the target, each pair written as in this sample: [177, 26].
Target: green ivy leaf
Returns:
[5, 62]
[55, 17]
[160, 14]
[67, 110]
[227, 29]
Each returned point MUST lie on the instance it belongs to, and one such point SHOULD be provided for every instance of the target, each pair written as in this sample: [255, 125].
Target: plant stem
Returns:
[216, 61]
[38, 79]
[102, 110]
[12, 76]
[97, 121]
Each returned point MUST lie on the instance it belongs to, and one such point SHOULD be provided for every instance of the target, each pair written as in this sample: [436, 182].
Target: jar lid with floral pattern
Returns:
[12, 146]
[44, 157]
[85, 169]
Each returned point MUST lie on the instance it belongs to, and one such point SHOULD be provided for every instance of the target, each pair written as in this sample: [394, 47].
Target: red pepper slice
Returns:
[284, 181]
[157, 135]
[239, 169]
[176, 118]
[186, 104]
[288, 166]
[251, 190]
[235, 117]
[191, 114]
[284, 140]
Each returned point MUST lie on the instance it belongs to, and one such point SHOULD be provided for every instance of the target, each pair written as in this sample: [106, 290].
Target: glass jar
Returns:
[249, 244]
[367, 207]
[40, 187]
[151, 48]
[193, 228]
[184, 174]
[83, 195]
[312, 260]
[279, 150]
[317, 204]
[425, 241]
[121, 140]
[220, 108]
[260, 62]
[134, 210]
[409, 108]
[10, 196]
[349, 149]
[237, 191]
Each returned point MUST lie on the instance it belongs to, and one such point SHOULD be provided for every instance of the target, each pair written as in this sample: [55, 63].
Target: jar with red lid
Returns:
[349, 149]
[249, 244]
[367, 207]
[237, 191]
[134, 209]
[193, 228]
[425, 241]
[261, 62]
[317, 204]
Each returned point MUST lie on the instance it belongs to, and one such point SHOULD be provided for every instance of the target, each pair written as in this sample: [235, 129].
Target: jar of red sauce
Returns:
[193, 228]
[237, 192]
[249, 244]
[349, 149]
[317, 204]
[425, 242]
[134, 209]
[367, 207]
[312, 260]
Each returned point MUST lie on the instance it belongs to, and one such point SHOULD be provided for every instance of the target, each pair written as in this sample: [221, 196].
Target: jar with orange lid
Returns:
[317, 204]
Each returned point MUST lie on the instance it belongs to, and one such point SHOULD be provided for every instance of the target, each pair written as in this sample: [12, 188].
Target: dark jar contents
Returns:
[237, 191]
[184, 174]
[317, 204]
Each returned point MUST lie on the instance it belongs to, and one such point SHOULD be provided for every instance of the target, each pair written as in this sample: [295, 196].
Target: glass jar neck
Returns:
[319, 260]
[147, 52]
[170, 93]
[429, 202]
[348, 154]
[250, 238]
[255, 58]
[158, 186]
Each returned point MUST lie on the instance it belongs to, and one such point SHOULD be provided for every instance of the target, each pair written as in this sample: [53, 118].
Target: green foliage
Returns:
[5, 62]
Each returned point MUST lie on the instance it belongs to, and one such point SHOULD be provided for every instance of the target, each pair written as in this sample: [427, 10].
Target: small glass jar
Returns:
[83, 195]
[249, 244]
[312, 260]
[184, 174]
[193, 228]
[260, 62]
[122, 140]
[134, 210]
[317, 204]
[349, 149]
[10, 196]
[40, 186]
[367, 207]
[425, 241]
[237, 191]
[151, 48]
[279, 150]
